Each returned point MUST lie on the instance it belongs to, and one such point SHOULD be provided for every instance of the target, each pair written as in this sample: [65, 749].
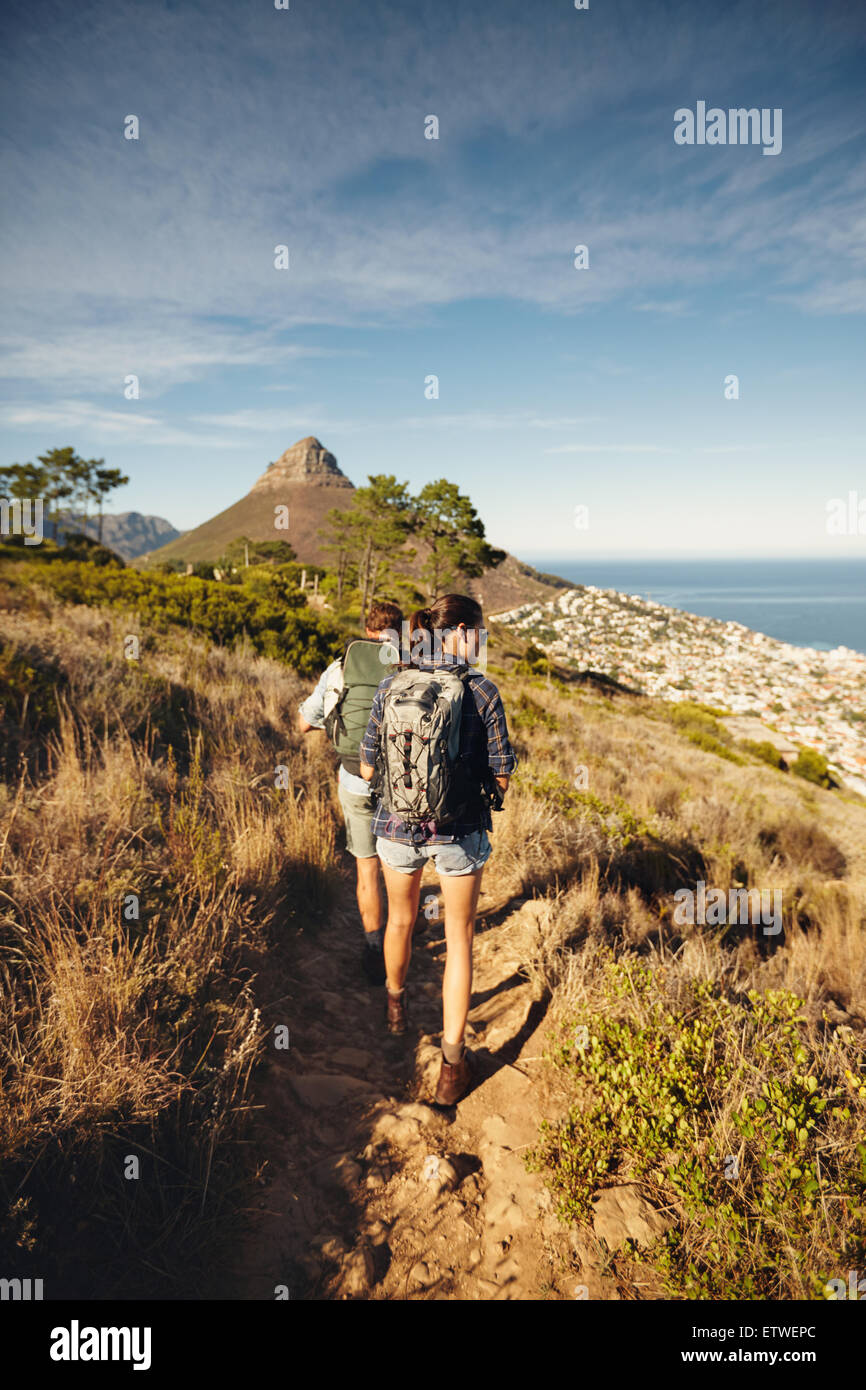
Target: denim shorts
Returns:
[456, 857]
[358, 814]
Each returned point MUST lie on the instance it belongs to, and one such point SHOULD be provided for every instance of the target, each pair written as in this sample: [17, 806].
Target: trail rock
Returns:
[440, 1173]
[411, 1110]
[346, 1170]
[422, 1274]
[396, 1130]
[496, 1131]
[319, 1090]
[621, 1214]
[358, 1274]
[332, 1002]
[376, 1232]
[493, 1156]
[352, 1057]
[505, 1213]
[333, 1247]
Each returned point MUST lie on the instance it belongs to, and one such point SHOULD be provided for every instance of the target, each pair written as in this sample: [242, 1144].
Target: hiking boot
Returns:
[373, 965]
[454, 1080]
[396, 1013]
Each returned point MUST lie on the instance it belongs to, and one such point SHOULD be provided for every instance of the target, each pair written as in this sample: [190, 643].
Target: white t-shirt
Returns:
[313, 710]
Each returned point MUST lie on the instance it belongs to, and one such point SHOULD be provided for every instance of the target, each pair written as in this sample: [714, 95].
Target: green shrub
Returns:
[526, 713]
[534, 662]
[711, 744]
[702, 728]
[617, 820]
[726, 1107]
[813, 766]
[766, 751]
[301, 637]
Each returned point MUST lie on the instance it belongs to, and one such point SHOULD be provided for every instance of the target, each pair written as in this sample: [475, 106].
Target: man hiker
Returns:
[341, 704]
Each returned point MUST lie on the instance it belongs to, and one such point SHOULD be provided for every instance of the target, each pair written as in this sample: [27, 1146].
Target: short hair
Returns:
[384, 616]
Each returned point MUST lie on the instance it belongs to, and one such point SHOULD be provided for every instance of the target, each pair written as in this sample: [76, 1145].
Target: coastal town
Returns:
[800, 696]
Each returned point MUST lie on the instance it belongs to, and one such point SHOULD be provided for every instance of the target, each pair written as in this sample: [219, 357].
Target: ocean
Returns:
[810, 603]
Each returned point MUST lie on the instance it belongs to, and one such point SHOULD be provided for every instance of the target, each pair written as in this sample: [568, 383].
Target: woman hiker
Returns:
[437, 687]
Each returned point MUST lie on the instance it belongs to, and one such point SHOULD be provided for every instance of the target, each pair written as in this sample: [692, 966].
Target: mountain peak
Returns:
[307, 461]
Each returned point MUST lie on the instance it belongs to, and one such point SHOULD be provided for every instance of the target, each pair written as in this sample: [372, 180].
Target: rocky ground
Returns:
[369, 1191]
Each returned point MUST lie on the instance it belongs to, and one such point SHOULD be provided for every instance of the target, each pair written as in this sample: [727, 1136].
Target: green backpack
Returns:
[349, 696]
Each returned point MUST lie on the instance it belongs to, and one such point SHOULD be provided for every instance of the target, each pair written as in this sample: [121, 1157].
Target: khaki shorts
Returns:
[358, 815]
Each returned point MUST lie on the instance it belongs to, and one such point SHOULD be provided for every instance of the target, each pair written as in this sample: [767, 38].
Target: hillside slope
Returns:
[308, 481]
[157, 1035]
[129, 534]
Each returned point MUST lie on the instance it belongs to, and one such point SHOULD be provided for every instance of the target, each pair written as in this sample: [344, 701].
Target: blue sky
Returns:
[559, 388]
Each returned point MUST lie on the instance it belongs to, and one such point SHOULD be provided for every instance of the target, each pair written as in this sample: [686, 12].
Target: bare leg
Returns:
[404, 891]
[461, 901]
[369, 897]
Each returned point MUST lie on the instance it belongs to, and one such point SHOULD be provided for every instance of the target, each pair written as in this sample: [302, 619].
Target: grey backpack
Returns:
[420, 776]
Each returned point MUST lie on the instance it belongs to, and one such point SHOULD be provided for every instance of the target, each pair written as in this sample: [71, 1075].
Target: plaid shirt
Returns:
[483, 738]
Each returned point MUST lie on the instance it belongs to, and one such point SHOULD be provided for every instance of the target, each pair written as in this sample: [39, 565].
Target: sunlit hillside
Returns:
[171, 878]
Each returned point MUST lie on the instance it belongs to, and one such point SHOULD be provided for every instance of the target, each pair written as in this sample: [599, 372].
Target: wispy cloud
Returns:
[178, 230]
[611, 449]
[677, 307]
[494, 420]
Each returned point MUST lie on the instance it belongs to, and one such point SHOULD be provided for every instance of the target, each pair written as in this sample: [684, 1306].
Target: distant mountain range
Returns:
[129, 534]
[308, 481]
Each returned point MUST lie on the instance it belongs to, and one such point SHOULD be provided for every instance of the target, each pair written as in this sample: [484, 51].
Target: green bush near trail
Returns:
[702, 728]
[813, 767]
[766, 751]
[526, 713]
[710, 744]
[733, 1107]
[267, 613]
[26, 686]
[77, 547]
[534, 662]
[617, 821]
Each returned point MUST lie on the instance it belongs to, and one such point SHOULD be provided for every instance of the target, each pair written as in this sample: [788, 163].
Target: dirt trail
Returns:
[372, 1192]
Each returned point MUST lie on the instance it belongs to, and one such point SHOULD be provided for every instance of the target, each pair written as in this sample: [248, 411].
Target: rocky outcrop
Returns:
[308, 461]
[129, 534]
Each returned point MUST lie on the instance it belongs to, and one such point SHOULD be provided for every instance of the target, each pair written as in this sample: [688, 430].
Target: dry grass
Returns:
[600, 896]
[146, 857]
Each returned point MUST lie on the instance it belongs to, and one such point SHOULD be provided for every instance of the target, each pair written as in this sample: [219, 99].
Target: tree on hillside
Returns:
[62, 475]
[82, 476]
[59, 480]
[367, 537]
[104, 481]
[24, 480]
[449, 523]
[242, 552]
[339, 541]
